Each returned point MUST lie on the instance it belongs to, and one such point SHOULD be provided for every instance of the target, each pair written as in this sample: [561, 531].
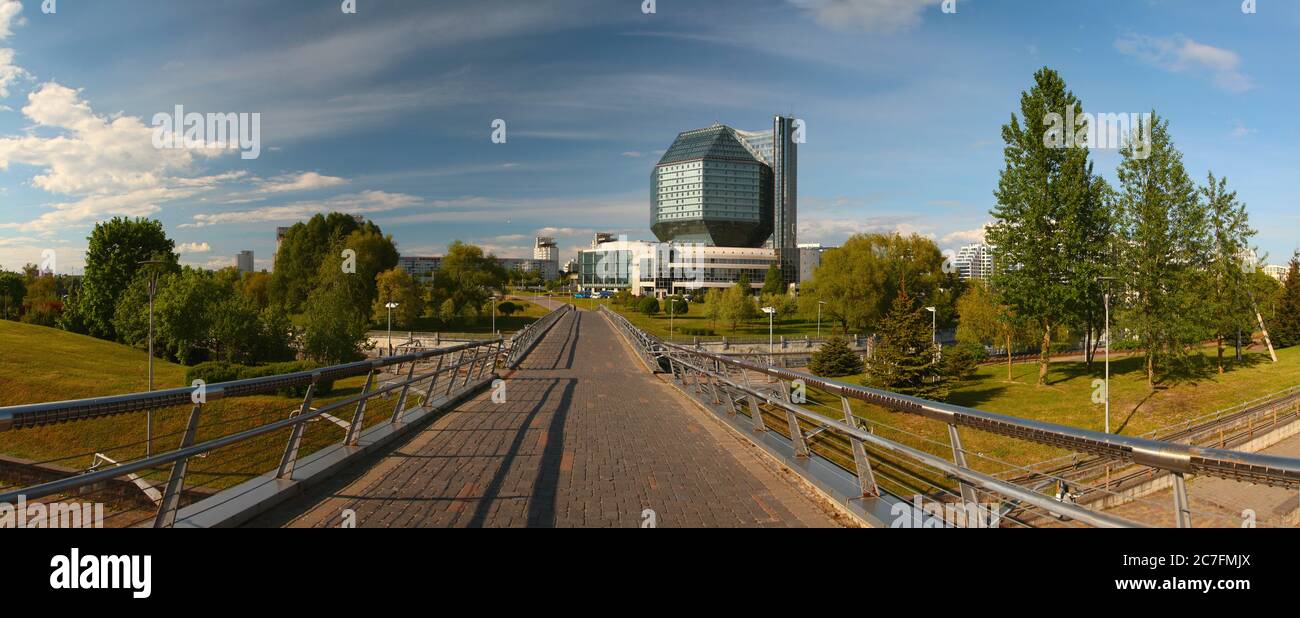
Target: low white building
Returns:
[661, 268]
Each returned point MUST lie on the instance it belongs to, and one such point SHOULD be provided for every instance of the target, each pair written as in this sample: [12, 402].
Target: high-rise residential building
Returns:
[1277, 272]
[974, 262]
[545, 248]
[244, 262]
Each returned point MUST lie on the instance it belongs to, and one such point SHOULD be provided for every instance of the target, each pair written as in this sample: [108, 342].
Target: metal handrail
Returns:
[178, 458]
[523, 341]
[39, 414]
[1171, 456]
[1175, 458]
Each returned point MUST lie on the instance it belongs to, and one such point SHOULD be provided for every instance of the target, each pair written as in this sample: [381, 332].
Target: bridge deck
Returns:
[586, 438]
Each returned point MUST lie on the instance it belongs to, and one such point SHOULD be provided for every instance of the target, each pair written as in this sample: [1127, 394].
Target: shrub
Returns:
[217, 372]
[691, 331]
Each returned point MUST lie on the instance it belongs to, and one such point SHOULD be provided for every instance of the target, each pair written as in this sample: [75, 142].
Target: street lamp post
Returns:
[770, 313]
[819, 318]
[672, 307]
[1106, 304]
[391, 306]
[494, 314]
[153, 290]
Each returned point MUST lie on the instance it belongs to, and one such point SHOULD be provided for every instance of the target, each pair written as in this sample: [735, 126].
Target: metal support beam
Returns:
[455, 369]
[866, 478]
[290, 456]
[959, 457]
[433, 381]
[1182, 508]
[796, 432]
[756, 415]
[401, 399]
[354, 429]
[469, 373]
[171, 500]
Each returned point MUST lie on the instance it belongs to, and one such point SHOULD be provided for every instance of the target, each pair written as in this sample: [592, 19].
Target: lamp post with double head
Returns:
[770, 313]
[391, 306]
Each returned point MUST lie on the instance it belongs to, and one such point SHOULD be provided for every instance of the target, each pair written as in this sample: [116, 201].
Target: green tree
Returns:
[468, 277]
[772, 283]
[113, 255]
[302, 250]
[984, 321]
[648, 305]
[905, 359]
[12, 291]
[713, 306]
[1228, 300]
[1165, 248]
[676, 305]
[1051, 218]
[447, 312]
[835, 359]
[1286, 329]
[334, 330]
[42, 304]
[396, 285]
[859, 280]
[184, 312]
[738, 305]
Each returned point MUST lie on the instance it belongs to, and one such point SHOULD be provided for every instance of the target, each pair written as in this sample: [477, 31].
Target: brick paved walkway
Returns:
[587, 438]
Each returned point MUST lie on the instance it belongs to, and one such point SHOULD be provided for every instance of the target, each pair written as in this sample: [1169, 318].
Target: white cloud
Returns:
[1180, 54]
[1240, 130]
[193, 247]
[306, 181]
[9, 72]
[365, 202]
[965, 237]
[879, 16]
[632, 154]
[10, 14]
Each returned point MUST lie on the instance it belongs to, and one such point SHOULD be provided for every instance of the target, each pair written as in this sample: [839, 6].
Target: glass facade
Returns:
[711, 188]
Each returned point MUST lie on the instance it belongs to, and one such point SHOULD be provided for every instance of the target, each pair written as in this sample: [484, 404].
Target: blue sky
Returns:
[388, 111]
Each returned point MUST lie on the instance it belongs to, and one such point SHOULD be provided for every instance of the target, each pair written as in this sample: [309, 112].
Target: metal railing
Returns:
[726, 377]
[456, 371]
[523, 341]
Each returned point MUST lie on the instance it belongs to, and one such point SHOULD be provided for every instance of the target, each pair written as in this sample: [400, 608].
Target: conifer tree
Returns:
[835, 359]
[905, 359]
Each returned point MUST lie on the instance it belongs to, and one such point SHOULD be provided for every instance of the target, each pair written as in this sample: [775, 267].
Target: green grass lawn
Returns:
[532, 312]
[40, 364]
[1067, 400]
[658, 325]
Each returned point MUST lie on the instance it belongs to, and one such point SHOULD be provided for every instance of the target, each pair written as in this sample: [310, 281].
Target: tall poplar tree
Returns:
[1228, 297]
[1165, 249]
[1052, 220]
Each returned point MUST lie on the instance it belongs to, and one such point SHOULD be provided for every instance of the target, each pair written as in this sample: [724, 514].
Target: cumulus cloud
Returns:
[965, 237]
[365, 202]
[1180, 54]
[306, 181]
[879, 16]
[193, 247]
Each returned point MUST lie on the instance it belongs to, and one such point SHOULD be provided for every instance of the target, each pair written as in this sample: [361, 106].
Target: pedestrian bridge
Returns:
[582, 420]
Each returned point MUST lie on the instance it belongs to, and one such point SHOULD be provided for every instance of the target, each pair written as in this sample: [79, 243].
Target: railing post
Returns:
[756, 414]
[455, 372]
[433, 381]
[959, 457]
[866, 478]
[171, 500]
[1182, 508]
[796, 432]
[354, 429]
[473, 362]
[401, 399]
[290, 456]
